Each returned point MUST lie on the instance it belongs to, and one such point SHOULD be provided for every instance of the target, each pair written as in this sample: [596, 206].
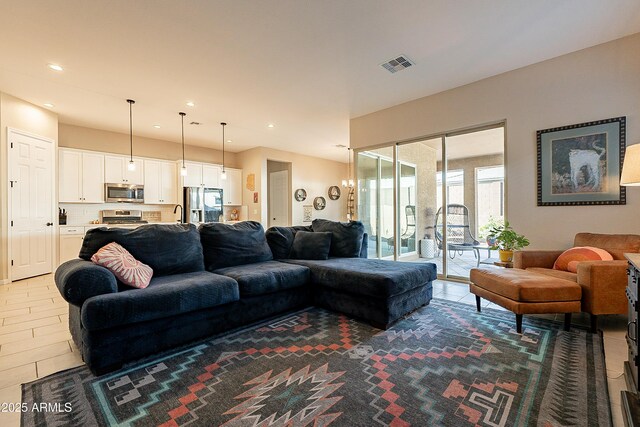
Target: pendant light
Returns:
[131, 166]
[348, 182]
[351, 183]
[223, 174]
[183, 169]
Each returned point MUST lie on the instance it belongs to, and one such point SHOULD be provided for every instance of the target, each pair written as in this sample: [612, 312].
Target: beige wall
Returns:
[18, 114]
[313, 174]
[592, 84]
[113, 142]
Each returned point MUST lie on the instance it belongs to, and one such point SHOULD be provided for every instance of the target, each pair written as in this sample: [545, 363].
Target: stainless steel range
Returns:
[122, 216]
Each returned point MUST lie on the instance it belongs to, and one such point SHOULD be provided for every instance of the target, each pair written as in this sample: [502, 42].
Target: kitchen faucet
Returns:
[176, 209]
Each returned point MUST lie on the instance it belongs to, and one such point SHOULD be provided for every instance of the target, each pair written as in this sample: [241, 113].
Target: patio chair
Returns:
[459, 237]
[410, 230]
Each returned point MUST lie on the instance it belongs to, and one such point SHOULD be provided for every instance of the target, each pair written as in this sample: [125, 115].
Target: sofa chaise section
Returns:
[378, 291]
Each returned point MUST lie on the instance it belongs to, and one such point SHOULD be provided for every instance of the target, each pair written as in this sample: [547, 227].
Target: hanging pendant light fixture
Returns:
[348, 182]
[131, 166]
[351, 183]
[223, 174]
[183, 169]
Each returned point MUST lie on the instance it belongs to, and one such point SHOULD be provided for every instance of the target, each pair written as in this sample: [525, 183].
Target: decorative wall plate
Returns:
[300, 195]
[334, 192]
[319, 203]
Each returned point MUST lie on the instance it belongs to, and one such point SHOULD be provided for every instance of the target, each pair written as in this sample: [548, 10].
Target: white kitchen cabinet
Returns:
[116, 170]
[80, 176]
[194, 175]
[232, 187]
[160, 182]
[70, 242]
[211, 176]
[202, 175]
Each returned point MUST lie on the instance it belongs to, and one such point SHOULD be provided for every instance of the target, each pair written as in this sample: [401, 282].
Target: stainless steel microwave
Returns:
[124, 193]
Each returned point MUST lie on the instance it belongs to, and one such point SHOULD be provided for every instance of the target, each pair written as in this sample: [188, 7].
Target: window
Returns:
[489, 194]
[455, 187]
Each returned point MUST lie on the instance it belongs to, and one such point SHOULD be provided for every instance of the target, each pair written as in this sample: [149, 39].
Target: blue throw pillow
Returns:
[228, 245]
[311, 245]
[280, 239]
[166, 248]
[347, 236]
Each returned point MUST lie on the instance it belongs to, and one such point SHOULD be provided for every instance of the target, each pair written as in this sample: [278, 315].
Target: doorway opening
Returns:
[279, 193]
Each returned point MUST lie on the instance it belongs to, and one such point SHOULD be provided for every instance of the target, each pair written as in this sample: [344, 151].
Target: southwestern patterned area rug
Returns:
[444, 365]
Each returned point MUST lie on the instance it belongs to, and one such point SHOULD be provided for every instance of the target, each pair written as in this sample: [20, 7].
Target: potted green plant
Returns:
[484, 232]
[507, 241]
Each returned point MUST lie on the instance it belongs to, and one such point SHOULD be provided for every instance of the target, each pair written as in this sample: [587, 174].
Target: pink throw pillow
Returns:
[569, 259]
[123, 265]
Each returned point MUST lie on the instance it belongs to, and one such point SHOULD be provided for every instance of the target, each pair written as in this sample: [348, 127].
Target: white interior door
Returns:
[278, 199]
[31, 191]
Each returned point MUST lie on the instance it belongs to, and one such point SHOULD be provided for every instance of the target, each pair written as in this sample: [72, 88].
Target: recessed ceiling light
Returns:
[228, 140]
[190, 104]
[55, 67]
[48, 105]
[271, 125]
[156, 126]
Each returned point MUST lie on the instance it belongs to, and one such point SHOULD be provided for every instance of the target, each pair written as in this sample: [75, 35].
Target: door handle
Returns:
[49, 224]
[634, 339]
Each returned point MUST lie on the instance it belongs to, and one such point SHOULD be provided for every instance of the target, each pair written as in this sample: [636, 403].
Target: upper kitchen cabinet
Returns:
[160, 180]
[232, 187]
[211, 176]
[80, 176]
[116, 170]
[194, 175]
[201, 175]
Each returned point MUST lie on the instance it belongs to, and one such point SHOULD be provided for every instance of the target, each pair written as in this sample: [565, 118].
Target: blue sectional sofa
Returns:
[220, 277]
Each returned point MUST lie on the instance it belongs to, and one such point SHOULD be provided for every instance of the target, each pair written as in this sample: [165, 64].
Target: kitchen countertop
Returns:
[88, 224]
[130, 224]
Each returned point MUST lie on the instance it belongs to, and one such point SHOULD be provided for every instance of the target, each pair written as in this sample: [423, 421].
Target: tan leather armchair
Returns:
[602, 282]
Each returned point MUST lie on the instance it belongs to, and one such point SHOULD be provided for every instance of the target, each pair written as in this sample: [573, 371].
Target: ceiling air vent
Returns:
[397, 64]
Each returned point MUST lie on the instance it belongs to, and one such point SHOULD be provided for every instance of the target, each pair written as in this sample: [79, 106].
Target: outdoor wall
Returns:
[311, 173]
[118, 143]
[469, 165]
[425, 160]
[18, 114]
[592, 84]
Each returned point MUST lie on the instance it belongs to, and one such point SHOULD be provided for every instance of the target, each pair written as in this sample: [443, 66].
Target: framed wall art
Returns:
[307, 213]
[334, 192]
[580, 165]
[300, 195]
[319, 203]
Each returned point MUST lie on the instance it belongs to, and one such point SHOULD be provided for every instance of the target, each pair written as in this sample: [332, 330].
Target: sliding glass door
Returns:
[431, 200]
[375, 200]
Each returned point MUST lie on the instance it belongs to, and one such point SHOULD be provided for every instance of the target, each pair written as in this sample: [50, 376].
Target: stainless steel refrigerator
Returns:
[202, 205]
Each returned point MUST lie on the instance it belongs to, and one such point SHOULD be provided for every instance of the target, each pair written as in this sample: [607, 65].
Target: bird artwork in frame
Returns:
[580, 164]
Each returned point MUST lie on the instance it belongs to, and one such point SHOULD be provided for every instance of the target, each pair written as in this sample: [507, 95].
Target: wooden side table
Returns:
[508, 264]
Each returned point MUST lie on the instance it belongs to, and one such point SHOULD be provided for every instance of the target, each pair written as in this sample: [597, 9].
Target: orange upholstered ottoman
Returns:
[526, 292]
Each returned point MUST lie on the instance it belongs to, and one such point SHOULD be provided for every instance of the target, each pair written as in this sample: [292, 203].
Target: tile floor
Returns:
[461, 263]
[35, 339]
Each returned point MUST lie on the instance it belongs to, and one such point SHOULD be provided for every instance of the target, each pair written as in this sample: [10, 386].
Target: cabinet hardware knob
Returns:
[49, 224]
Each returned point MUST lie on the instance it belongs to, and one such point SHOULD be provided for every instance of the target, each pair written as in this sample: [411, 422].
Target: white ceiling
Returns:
[473, 144]
[308, 67]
